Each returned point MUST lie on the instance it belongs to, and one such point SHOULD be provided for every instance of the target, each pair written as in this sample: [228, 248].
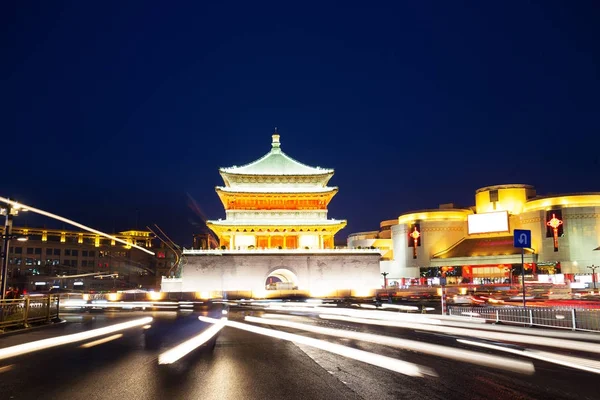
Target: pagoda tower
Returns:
[276, 202]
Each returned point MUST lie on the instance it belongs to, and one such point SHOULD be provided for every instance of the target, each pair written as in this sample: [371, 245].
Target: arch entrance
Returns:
[281, 279]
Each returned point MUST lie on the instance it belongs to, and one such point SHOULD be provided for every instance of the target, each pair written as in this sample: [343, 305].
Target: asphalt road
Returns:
[245, 365]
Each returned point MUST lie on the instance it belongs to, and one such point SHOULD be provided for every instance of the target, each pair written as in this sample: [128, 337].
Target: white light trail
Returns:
[43, 344]
[472, 357]
[583, 364]
[373, 314]
[71, 222]
[389, 363]
[181, 350]
[6, 368]
[101, 341]
[482, 334]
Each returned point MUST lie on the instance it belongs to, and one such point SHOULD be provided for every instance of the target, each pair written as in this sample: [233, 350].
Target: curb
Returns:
[33, 328]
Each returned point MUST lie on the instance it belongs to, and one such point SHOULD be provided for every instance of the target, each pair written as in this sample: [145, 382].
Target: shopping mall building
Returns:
[475, 244]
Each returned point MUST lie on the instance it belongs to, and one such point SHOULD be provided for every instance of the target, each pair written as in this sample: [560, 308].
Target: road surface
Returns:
[246, 365]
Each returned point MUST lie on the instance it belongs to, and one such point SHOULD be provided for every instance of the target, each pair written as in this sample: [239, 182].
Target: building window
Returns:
[92, 253]
[30, 250]
[67, 252]
[84, 263]
[57, 252]
[493, 196]
[74, 253]
[38, 250]
[18, 250]
[84, 253]
[48, 252]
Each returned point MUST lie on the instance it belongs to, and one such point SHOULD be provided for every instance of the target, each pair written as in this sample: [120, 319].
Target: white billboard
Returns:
[488, 222]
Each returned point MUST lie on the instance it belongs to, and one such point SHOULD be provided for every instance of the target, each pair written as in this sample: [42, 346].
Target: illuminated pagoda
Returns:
[276, 202]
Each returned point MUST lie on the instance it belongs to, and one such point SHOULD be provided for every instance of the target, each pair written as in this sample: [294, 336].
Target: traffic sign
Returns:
[442, 281]
[522, 238]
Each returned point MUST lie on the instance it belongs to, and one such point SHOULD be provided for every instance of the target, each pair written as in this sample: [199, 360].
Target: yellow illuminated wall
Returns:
[434, 215]
[580, 200]
[511, 198]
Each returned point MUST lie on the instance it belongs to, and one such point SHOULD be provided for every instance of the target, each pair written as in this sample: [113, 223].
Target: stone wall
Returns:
[317, 273]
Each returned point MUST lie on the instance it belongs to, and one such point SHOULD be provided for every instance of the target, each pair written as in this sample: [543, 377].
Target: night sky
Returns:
[112, 107]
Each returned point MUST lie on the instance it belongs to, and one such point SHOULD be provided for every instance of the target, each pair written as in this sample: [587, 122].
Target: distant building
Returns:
[475, 244]
[50, 257]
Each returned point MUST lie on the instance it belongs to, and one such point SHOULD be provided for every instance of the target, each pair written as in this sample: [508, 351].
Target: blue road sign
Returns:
[522, 238]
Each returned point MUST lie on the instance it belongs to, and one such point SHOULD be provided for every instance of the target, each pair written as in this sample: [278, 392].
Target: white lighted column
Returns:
[232, 242]
[321, 246]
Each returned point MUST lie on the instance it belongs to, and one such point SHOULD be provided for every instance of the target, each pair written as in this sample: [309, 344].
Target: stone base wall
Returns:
[316, 273]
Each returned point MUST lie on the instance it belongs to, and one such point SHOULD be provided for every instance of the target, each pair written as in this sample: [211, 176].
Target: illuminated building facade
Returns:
[475, 244]
[276, 236]
[276, 202]
[41, 262]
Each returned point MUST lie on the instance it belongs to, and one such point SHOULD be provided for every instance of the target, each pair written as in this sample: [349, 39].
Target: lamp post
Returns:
[9, 212]
[593, 268]
[385, 274]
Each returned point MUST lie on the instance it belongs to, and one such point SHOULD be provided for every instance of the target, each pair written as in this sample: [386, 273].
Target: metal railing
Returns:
[23, 312]
[580, 319]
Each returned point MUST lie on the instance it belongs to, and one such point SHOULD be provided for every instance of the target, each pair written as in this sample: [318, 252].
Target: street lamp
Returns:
[10, 211]
[593, 268]
[385, 274]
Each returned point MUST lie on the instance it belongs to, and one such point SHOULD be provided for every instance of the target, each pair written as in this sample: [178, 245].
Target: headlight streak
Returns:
[6, 368]
[505, 337]
[181, 350]
[583, 364]
[421, 347]
[101, 341]
[37, 345]
[391, 364]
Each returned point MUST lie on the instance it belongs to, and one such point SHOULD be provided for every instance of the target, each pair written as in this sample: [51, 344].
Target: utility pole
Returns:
[593, 268]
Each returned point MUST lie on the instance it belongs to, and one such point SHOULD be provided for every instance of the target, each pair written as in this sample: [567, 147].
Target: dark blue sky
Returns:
[113, 107]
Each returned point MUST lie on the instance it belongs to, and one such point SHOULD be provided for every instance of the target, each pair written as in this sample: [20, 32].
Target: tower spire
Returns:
[275, 144]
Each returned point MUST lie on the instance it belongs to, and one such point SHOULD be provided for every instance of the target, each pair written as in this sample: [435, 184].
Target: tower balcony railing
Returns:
[281, 251]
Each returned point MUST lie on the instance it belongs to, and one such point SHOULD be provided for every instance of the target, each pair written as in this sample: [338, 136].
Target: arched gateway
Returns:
[281, 279]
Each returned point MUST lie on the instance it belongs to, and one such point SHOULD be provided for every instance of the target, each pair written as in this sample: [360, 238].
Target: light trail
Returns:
[43, 344]
[6, 368]
[371, 314]
[388, 363]
[421, 347]
[505, 337]
[71, 222]
[583, 364]
[181, 350]
[101, 341]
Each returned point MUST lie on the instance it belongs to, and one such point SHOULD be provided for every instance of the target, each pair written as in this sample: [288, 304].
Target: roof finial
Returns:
[275, 144]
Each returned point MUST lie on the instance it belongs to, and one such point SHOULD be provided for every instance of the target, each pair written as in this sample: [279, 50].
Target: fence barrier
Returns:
[23, 312]
[580, 319]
